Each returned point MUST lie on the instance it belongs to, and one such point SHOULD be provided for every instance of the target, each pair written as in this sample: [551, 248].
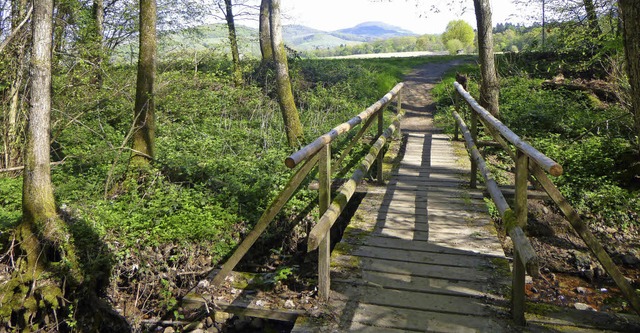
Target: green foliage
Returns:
[10, 201]
[460, 30]
[453, 45]
[220, 149]
[592, 141]
[397, 44]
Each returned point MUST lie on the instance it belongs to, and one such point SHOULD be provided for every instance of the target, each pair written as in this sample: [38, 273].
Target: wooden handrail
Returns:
[311, 158]
[315, 146]
[345, 192]
[264, 221]
[520, 241]
[541, 159]
[529, 159]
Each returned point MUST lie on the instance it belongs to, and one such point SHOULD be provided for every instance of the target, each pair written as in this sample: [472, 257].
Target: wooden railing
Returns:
[319, 153]
[528, 161]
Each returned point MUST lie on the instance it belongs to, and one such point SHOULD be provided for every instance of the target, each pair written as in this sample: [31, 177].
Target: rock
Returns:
[545, 210]
[200, 325]
[260, 303]
[583, 307]
[534, 290]
[203, 284]
[209, 321]
[528, 279]
[213, 329]
[582, 260]
[589, 274]
[221, 317]
[198, 330]
[169, 330]
[289, 304]
[581, 290]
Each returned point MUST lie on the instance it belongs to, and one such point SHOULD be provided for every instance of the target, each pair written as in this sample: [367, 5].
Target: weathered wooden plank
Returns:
[423, 270]
[242, 307]
[375, 318]
[394, 243]
[410, 225]
[414, 300]
[403, 234]
[465, 260]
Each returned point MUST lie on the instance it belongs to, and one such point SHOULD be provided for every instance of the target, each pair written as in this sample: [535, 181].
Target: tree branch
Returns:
[16, 30]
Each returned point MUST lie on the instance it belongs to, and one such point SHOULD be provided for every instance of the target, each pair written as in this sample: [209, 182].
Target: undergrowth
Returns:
[219, 163]
[592, 140]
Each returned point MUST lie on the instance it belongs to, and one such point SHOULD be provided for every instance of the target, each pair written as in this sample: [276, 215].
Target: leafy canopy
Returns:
[460, 30]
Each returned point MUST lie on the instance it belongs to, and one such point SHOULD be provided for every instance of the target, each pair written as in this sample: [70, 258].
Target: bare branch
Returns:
[16, 30]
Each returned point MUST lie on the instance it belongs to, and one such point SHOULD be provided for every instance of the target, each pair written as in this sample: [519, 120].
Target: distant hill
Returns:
[375, 30]
[298, 37]
[304, 38]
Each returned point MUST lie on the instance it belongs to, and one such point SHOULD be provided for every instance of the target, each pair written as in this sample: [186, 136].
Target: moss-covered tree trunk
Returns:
[44, 238]
[144, 112]
[292, 124]
[38, 204]
[265, 32]
[489, 85]
[630, 13]
[233, 41]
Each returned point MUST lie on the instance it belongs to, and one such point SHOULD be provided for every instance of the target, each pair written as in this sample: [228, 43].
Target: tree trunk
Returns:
[98, 20]
[592, 19]
[12, 141]
[630, 13]
[38, 205]
[293, 127]
[233, 41]
[44, 235]
[265, 32]
[144, 134]
[489, 88]
[98, 16]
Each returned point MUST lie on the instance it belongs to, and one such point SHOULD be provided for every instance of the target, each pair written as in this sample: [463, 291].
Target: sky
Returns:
[413, 15]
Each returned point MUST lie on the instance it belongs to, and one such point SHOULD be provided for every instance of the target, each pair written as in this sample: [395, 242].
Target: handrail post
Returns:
[517, 291]
[324, 249]
[518, 283]
[380, 157]
[456, 105]
[473, 183]
[522, 176]
[399, 110]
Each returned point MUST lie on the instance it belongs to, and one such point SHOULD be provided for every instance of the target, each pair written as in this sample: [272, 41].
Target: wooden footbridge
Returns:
[422, 254]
